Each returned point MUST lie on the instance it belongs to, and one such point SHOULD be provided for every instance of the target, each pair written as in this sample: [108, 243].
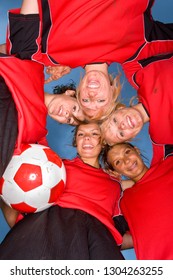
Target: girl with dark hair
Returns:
[24, 106]
[81, 224]
[147, 205]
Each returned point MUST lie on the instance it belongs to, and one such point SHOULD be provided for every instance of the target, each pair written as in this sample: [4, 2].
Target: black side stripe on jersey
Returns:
[168, 150]
[154, 30]
[145, 62]
[24, 30]
[46, 24]
[149, 24]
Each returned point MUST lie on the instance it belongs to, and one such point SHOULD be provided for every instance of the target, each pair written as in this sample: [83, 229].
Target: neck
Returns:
[102, 67]
[141, 109]
[47, 98]
[91, 161]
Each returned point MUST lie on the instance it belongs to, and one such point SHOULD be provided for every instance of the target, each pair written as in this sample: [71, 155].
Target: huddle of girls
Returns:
[146, 58]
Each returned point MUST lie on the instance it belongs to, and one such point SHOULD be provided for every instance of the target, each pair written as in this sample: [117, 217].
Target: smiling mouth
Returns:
[87, 146]
[56, 111]
[92, 84]
[133, 166]
[129, 121]
[60, 111]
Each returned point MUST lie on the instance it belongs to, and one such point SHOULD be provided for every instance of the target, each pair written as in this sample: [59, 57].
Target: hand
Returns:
[3, 48]
[56, 72]
[113, 173]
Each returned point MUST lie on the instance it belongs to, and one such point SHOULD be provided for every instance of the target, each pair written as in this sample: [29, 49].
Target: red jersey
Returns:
[147, 206]
[93, 191]
[155, 93]
[148, 209]
[25, 80]
[77, 33]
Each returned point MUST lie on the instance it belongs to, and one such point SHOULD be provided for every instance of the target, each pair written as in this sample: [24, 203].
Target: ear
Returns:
[70, 92]
[137, 150]
[120, 106]
[103, 142]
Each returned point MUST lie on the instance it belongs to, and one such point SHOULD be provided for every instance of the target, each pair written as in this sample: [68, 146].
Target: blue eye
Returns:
[85, 100]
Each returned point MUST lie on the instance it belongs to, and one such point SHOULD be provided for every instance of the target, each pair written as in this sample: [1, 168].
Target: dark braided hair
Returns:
[60, 89]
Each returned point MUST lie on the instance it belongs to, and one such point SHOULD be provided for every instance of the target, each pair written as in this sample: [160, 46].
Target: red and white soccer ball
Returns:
[33, 180]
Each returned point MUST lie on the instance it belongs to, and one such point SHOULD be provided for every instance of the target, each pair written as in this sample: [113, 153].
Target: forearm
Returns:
[125, 184]
[29, 7]
[9, 213]
[3, 48]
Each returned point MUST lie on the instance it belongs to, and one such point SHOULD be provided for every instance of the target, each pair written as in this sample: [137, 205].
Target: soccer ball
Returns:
[33, 180]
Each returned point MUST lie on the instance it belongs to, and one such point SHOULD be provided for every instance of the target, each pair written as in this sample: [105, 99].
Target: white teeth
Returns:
[60, 111]
[87, 146]
[93, 84]
[129, 122]
[133, 165]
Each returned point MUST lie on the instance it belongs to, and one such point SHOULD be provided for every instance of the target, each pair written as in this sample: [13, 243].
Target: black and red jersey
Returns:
[148, 209]
[92, 191]
[77, 33]
[25, 80]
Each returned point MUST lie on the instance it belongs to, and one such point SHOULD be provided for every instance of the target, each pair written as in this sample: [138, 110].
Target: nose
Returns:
[87, 136]
[126, 160]
[122, 125]
[92, 93]
[67, 113]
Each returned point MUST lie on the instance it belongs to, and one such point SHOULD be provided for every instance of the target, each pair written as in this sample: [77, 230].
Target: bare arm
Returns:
[29, 7]
[9, 214]
[2, 48]
[125, 184]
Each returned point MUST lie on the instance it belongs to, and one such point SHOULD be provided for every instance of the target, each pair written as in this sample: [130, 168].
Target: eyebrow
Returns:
[95, 129]
[123, 149]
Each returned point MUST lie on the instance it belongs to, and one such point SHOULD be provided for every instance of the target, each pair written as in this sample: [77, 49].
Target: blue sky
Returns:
[60, 136]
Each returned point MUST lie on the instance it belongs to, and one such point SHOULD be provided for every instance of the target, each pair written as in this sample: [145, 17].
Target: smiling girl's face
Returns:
[126, 160]
[122, 125]
[65, 109]
[95, 93]
[88, 140]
